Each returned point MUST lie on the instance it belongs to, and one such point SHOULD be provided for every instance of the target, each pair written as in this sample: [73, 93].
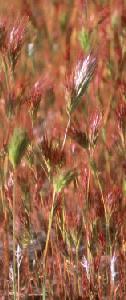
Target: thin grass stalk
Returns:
[86, 224]
[2, 200]
[66, 131]
[46, 248]
[108, 237]
[14, 235]
[6, 222]
[19, 257]
[6, 252]
[5, 68]
[18, 284]
[49, 229]
[77, 271]
[44, 287]
[107, 227]
[107, 222]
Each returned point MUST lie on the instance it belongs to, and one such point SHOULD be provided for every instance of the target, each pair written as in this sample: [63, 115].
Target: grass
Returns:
[62, 150]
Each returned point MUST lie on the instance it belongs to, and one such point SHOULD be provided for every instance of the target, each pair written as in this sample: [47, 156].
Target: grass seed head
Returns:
[16, 39]
[18, 144]
[94, 126]
[79, 81]
[64, 180]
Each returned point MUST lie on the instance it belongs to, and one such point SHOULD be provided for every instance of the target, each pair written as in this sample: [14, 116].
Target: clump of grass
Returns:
[63, 181]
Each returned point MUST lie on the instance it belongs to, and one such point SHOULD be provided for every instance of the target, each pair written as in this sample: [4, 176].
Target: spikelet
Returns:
[17, 146]
[64, 180]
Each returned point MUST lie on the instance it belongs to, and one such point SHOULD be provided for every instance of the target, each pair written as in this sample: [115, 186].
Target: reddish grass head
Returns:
[16, 38]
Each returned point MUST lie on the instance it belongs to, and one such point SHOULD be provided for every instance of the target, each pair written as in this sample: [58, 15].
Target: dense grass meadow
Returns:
[63, 149]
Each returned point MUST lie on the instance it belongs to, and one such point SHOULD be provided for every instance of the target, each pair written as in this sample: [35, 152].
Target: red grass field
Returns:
[63, 149]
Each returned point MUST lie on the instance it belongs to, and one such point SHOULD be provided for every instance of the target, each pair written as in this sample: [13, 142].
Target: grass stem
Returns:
[14, 237]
